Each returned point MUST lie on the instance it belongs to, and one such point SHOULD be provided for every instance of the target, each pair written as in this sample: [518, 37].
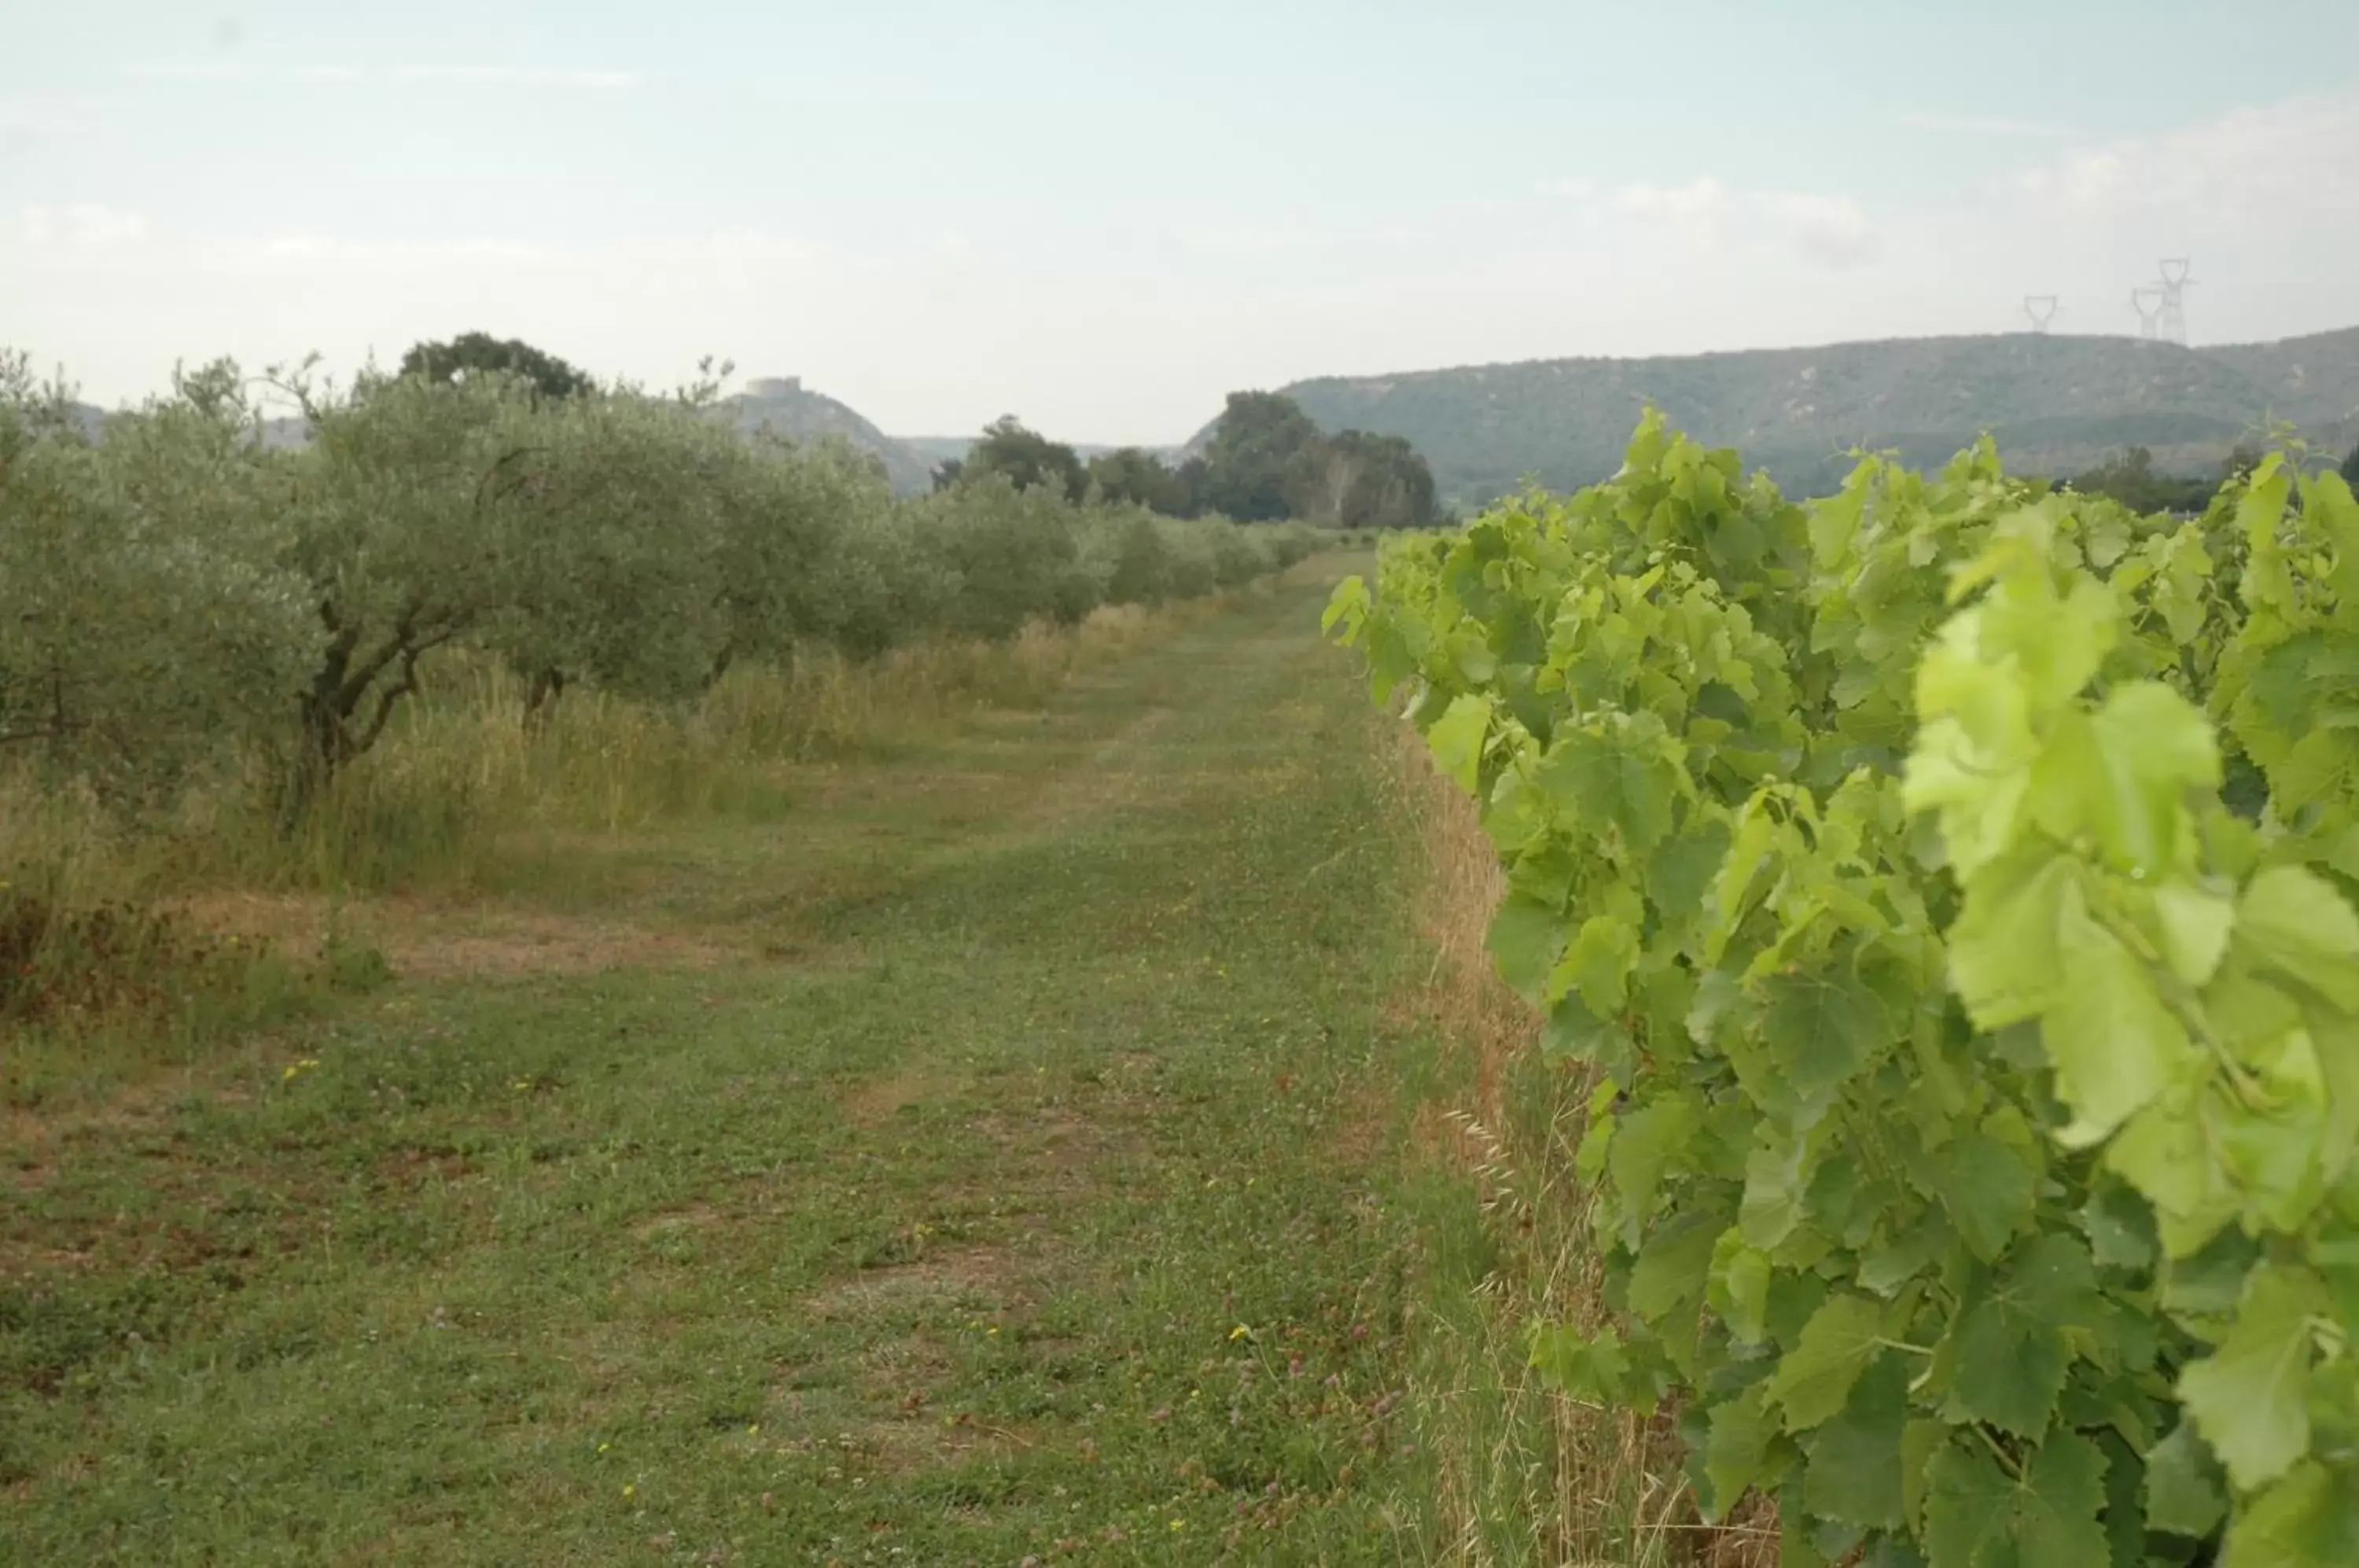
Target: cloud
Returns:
[84, 226]
[1574, 190]
[26, 116]
[2279, 162]
[952, 245]
[192, 70]
[1832, 232]
[516, 76]
[738, 247]
[1246, 240]
[1988, 125]
[1697, 206]
[460, 75]
[301, 251]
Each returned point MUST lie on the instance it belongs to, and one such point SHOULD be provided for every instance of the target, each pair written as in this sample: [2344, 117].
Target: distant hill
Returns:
[776, 406]
[2057, 405]
[942, 448]
[781, 407]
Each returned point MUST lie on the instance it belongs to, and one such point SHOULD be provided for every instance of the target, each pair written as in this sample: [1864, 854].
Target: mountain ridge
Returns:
[2057, 404]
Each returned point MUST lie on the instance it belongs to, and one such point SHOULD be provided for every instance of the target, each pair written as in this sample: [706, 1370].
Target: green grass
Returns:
[991, 1152]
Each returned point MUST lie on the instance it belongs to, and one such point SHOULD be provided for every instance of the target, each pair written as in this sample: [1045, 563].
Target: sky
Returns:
[1101, 216]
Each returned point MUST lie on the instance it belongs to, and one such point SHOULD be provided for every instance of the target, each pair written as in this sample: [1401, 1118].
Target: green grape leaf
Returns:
[1673, 1266]
[1978, 1515]
[2266, 582]
[1834, 521]
[2153, 748]
[1476, 662]
[2164, 1156]
[2005, 952]
[1798, 1548]
[1526, 940]
[1854, 1469]
[2250, 1397]
[1987, 1188]
[1645, 1143]
[2124, 1521]
[2308, 1519]
[1749, 847]
[2060, 645]
[1814, 1379]
[1889, 1267]
[2293, 923]
[2273, 1156]
[2184, 1495]
[1596, 964]
[2336, 1258]
[1920, 1439]
[1738, 1288]
[1593, 1366]
[1457, 738]
[2112, 1041]
[2120, 1227]
[2195, 927]
[1680, 872]
[2006, 1351]
[1621, 777]
[2334, 1040]
[1823, 1026]
[1978, 797]
[1346, 607]
[1776, 1174]
[1736, 1446]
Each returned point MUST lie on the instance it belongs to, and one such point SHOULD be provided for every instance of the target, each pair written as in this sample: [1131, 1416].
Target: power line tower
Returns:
[2042, 308]
[2147, 302]
[2172, 326]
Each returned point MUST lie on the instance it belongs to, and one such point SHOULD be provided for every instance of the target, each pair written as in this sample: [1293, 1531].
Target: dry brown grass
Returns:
[1595, 1484]
[441, 938]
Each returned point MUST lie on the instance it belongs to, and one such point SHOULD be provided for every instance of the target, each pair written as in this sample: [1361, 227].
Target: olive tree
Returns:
[147, 621]
[621, 502]
[413, 529]
[1016, 553]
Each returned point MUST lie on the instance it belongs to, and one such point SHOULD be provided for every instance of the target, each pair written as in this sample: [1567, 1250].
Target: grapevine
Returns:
[1949, 884]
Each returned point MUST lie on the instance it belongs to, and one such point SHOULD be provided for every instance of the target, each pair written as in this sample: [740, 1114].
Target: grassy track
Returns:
[990, 1156]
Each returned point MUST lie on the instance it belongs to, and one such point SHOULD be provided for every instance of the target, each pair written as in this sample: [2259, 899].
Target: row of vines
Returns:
[1949, 884]
[182, 594]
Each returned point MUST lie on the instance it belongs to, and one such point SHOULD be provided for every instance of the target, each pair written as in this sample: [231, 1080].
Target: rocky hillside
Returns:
[2057, 405]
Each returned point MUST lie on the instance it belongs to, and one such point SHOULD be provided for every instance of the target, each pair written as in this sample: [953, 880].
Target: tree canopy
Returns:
[1264, 461]
[1261, 458]
[550, 376]
[1364, 481]
[1134, 476]
[1026, 457]
[1267, 459]
[2130, 477]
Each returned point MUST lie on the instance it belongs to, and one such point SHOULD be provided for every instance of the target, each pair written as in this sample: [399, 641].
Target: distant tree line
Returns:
[181, 600]
[1265, 460]
[2129, 477]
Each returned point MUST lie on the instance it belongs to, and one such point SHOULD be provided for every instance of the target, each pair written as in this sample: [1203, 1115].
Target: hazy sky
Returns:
[1100, 216]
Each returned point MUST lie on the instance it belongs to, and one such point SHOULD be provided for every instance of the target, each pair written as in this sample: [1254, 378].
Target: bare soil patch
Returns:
[425, 938]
